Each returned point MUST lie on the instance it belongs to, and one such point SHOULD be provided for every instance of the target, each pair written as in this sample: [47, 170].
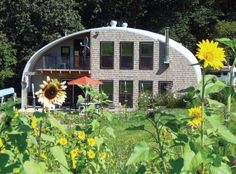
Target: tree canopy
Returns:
[30, 24]
[7, 60]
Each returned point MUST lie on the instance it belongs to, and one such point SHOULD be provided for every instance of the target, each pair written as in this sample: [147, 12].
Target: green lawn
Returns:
[127, 132]
[127, 136]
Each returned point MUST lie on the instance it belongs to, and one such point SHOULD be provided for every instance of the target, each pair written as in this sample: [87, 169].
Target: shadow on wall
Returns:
[162, 66]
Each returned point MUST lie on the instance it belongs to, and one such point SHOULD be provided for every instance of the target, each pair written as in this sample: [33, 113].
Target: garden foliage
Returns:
[51, 142]
[204, 141]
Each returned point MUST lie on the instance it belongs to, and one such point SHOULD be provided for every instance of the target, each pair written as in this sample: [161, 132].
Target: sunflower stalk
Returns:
[39, 139]
[202, 113]
[230, 84]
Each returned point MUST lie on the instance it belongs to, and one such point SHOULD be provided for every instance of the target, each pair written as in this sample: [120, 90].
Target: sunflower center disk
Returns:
[209, 56]
[51, 92]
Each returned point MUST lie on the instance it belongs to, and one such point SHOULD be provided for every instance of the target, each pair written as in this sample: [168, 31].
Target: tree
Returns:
[225, 29]
[97, 13]
[30, 24]
[7, 60]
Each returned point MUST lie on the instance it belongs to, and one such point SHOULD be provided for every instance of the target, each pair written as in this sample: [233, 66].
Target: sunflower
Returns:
[74, 154]
[34, 122]
[43, 156]
[16, 112]
[34, 125]
[1, 143]
[196, 113]
[51, 92]
[81, 135]
[91, 154]
[103, 155]
[211, 55]
[91, 142]
[63, 141]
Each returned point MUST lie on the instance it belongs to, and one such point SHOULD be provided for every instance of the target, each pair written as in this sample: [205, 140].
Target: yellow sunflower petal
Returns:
[211, 55]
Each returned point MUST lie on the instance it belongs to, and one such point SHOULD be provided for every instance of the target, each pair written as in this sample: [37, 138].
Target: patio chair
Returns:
[81, 103]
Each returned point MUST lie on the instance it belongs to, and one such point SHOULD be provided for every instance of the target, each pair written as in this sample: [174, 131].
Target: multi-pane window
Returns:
[146, 87]
[146, 56]
[165, 86]
[126, 93]
[65, 57]
[106, 55]
[107, 88]
[126, 55]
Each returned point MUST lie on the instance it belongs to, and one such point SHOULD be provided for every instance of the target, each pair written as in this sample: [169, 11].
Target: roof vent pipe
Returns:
[125, 25]
[113, 23]
[166, 56]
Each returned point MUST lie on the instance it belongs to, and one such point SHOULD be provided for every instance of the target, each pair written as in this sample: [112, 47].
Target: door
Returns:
[81, 54]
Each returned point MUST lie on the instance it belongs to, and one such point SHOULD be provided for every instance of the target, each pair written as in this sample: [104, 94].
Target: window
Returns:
[107, 55]
[65, 57]
[225, 73]
[146, 56]
[165, 86]
[126, 93]
[126, 55]
[145, 87]
[107, 88]
[65, 51]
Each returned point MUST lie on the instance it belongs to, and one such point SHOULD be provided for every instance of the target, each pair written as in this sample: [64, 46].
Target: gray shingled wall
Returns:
[179, 70]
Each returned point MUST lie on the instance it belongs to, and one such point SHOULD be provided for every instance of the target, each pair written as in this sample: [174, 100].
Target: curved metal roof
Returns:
[177, 46]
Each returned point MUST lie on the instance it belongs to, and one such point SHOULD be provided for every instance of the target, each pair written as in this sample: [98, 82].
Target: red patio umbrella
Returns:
[85, 81]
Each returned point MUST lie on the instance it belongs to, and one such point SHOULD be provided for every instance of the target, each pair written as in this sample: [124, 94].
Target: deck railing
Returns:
[59, 62]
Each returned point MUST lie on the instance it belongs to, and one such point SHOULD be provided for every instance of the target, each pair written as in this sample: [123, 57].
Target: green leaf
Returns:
[141, 170]
[136, 127]
[32, 140]
[95, 124]
[214, 87]
[39, 114]
[142, 152]
[19, 140]
[229, 90]
[10, 168]
[172, 125]
[199, 158]
[223, 169]
[220, 129]
[108, 115]
[59, 155]
[33, 167]
[49, 138]
[64, 170]
[228, 42]
[3, 158]
[99, 141]
[182, 138]
[110, 131]
[177, 165]
[57, 124]
[215, 103]
[188, 156]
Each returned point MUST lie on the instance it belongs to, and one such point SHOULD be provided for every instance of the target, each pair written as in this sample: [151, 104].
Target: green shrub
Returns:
[169, 100]
[145, 101]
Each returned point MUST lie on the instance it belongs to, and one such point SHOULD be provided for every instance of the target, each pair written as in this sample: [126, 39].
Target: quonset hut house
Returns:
[126, 60]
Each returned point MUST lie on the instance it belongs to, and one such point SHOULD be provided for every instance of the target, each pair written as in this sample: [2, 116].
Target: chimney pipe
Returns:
[166, 58]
